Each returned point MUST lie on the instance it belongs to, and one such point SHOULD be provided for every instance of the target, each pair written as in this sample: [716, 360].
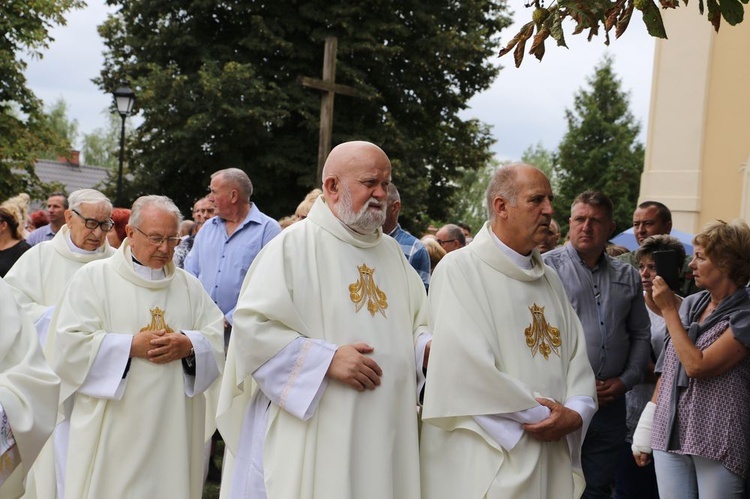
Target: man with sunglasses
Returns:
[39, 279]
[138, 344]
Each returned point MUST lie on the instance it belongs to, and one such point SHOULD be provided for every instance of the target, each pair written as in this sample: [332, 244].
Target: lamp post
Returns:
[124, 100]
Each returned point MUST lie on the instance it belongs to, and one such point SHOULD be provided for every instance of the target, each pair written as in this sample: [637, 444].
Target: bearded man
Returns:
[320, 391]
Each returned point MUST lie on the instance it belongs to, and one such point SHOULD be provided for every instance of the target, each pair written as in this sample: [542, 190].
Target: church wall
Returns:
[696, 139]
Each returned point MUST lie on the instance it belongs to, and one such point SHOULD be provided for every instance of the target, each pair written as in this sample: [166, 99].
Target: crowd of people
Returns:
[339, 356]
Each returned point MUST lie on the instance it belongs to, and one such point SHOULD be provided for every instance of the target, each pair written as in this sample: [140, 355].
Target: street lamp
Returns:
[124, 100]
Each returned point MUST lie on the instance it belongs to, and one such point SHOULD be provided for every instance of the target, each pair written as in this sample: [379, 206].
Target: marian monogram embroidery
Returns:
[540, 336]
[157, 321]
[366, 291]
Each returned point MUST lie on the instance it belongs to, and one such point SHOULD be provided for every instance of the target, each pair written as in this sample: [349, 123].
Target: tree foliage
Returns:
[544, 159]
[64, 130]
[217, 86]
[24, 129]
[591, 16]
[102, 146]
[600, 151]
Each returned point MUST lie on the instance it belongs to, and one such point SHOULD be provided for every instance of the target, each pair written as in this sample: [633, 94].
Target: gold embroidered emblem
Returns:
[157, 321]
[540, 336]
[365, 291]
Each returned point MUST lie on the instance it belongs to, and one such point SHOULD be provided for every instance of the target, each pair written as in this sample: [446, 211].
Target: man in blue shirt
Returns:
[228, 243]
[413, 249]
[57, 203]
[607, 295]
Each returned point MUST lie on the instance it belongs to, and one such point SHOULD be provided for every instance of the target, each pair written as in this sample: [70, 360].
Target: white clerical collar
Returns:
[75, 249]
[520, 260]
[147, 272]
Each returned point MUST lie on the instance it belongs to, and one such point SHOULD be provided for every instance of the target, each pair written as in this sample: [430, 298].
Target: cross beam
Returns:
[330, 88]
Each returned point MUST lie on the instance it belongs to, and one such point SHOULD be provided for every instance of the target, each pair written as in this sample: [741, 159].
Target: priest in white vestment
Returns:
[41, 275]
[509, 391]
[138, 345]
[38, 280]
[28, 396]
[319, 396]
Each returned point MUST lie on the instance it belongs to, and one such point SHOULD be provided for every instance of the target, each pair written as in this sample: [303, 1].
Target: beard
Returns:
[366, 221]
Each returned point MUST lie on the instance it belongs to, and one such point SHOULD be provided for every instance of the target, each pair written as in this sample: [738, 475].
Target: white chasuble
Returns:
[41, 275]
[139, 434]
[502, 336]
[28, 392]
[318, 285]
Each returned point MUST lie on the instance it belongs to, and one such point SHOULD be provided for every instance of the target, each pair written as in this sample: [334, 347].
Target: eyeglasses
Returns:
[442, 242]
[158, 240]
[92, 224]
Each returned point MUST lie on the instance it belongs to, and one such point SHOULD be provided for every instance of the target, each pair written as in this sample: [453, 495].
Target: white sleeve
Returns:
[507, 429]
[206, 368]
[104, 379]
[295, 378]
[42, 324]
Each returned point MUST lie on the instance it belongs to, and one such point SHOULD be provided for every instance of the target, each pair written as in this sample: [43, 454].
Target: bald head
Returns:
[519, 202]
[351, 155]
[355, 178]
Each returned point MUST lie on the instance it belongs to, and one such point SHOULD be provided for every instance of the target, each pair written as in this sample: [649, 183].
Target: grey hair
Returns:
[238, 179]
[153, 201]
[88, 196]
[503, 184]
[393, 194]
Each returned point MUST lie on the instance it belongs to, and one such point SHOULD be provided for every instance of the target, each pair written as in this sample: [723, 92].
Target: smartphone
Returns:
[666, 267]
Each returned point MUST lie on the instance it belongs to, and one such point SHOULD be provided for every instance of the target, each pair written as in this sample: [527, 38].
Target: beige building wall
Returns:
[698, 139]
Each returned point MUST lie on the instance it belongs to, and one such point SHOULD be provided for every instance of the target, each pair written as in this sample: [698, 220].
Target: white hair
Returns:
[153, 201]
[88, 196]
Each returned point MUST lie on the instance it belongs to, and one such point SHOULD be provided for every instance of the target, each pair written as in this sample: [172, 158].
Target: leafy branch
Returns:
[592, 16]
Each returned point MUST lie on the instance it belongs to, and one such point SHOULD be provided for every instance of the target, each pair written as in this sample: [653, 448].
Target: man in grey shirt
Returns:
[608, 297]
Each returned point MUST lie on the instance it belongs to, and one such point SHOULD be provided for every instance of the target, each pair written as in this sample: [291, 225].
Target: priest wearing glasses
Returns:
[138, 346]
[41, 275]
[38, 280]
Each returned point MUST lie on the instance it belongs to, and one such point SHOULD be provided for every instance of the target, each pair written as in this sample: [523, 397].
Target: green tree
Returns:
[470, 206]
[24, 129]
[102, 146]
[591, 16]
[217, 86]
[600, 150]
[64, 130]
[544, 159]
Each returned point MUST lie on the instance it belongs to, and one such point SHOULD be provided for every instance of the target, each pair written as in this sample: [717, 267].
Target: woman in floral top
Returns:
[698, 422]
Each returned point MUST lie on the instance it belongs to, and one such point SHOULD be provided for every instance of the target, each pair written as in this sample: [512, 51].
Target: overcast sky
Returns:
[524, 106]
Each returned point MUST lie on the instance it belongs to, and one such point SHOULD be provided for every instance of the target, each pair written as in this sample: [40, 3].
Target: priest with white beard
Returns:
[510, 390]
[320, 392]
[28, 396]
[138, 345]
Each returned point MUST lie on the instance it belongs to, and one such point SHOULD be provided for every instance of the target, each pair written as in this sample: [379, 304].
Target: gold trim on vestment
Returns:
[540, 336]
[157, 321]
[364, 290]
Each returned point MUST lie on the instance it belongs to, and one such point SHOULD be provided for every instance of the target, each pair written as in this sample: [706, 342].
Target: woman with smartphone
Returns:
[698, 422]
[663, 255]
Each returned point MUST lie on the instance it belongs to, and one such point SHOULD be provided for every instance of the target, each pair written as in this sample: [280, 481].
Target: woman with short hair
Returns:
[698, 422]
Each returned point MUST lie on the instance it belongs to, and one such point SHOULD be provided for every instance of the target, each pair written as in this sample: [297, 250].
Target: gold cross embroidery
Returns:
[540, 336]
[365, 290]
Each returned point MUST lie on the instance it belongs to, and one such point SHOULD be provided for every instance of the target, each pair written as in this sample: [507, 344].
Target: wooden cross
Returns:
[330, 88]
